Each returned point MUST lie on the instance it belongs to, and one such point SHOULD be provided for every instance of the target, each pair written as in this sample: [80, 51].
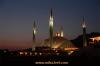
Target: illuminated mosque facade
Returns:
[58, 40]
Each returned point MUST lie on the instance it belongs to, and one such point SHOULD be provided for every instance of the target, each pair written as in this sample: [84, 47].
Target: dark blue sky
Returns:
[17, 17]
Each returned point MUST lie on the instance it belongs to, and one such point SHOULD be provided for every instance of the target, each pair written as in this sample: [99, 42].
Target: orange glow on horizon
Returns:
[95, 39]
[71, 49]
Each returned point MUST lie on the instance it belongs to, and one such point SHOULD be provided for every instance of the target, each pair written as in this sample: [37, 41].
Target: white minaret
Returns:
[51, 28]
[84, 33]
[34, 38]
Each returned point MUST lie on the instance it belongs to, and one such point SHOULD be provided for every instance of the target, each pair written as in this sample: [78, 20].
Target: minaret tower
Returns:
[61, 32]
[34, 38]
[84, 33]
[51, 28]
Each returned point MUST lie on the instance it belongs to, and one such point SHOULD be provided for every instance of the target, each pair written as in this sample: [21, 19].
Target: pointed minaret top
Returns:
[34, 28]
[51, 12]
[83, 18]
[34, 24]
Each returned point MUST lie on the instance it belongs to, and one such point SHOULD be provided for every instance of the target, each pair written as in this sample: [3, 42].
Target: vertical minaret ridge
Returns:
[61, 32]
[34, 38]
[84, 33]
[51, 28]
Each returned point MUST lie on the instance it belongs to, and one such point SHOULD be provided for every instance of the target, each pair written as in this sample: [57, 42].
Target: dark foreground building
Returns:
[88, 55]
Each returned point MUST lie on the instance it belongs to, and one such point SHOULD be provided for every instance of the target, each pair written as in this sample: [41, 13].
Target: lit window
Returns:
[62, 34]
[58, 34]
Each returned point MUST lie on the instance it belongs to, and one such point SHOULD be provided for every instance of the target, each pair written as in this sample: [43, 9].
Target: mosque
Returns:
[58, 40]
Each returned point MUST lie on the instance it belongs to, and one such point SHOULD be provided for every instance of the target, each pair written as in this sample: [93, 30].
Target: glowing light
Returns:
[71, 48]
[21, 53]
[34, 31]
[26, 53]
[92, 39]
[35, 53]
[51, 21]
[58, 34]
[95, 39]
[30, 53]
[84, 26]
[70, 52]
[62, 34]
[40, 53]
[57, 45]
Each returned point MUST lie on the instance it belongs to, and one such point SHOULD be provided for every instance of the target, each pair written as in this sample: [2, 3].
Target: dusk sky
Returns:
[17, 17]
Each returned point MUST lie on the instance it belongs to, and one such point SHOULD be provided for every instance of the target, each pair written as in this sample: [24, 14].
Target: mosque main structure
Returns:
[58, 40]
[54, 41]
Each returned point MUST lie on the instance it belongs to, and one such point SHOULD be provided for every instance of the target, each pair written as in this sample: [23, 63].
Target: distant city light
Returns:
[21, 53]
[35, 53]
[70, 52]
[30, 53]
[5, 51]
[95, 39]
[40, 53]
[26, 53]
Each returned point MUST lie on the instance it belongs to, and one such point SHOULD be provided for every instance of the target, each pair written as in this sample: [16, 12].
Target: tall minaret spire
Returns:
[84, 33]
[51, 28]
[34, 38]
